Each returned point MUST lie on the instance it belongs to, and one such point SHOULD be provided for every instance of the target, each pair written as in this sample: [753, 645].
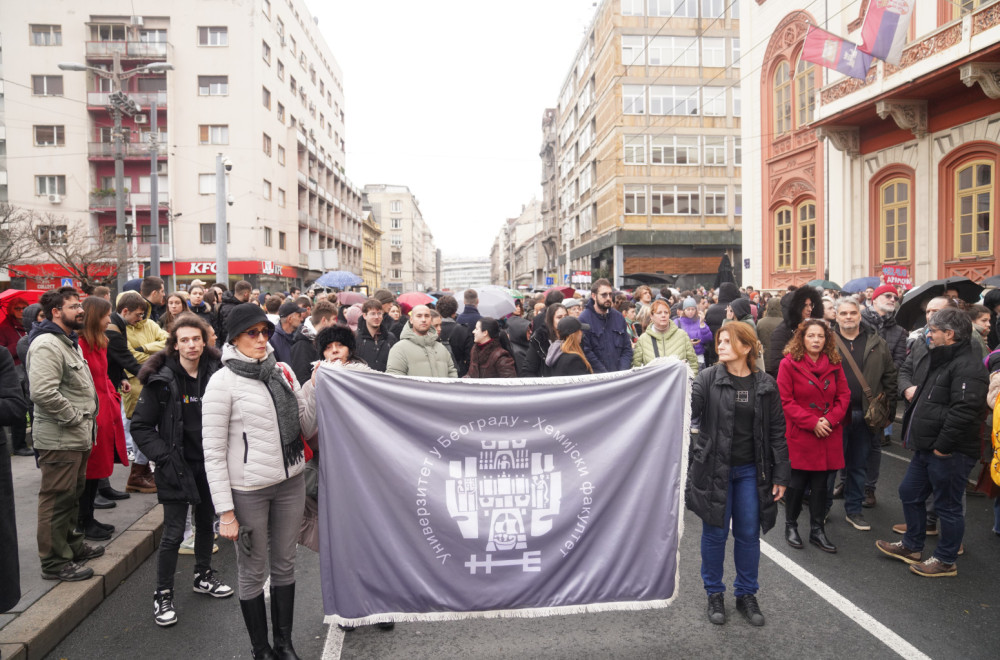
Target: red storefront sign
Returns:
[195, 268]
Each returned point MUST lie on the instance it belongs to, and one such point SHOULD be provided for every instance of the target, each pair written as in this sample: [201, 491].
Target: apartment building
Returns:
[519, 256]
[892, 176]
[371, 256]
[252, 80]
[648, 143]
[461, 273]
[409, 258]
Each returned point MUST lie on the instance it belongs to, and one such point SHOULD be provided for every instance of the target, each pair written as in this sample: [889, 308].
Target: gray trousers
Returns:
[275, 515]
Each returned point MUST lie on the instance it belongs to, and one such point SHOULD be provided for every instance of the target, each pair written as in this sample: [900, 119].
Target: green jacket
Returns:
[673, 341]
[416, 355]
[63, 394]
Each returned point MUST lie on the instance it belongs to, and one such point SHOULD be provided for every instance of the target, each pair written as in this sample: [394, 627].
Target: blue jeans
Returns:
[743, 509]
[858, 440]
[945, 478]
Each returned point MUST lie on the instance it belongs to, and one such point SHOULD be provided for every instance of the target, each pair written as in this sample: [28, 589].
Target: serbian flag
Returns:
[883, 34]
[831, 51]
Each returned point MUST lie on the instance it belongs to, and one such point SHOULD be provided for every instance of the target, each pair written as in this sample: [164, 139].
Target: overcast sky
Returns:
[446, 97]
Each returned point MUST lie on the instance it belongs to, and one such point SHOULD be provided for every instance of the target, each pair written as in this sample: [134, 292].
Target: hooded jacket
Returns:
[490, 360]
[28, 319]
[420, 355]
[672, 341]
[564, 364]
[240, 434]
[120, 358]
[204, 312]
[281, 342]
[607, 344]
[695, 330]
[887, 328]
[534, 365]
[62, 391]
[716, 314]
[713, 402]
[742, 312]
[303, 351]
[792, 317]
[226, 304]
[11, 331]
[374, 350]
[145, 338]
[772, 319]
[158, 422]
[517, 332]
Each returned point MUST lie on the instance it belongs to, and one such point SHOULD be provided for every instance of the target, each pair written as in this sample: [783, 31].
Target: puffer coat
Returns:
[240, 435]
[713, 402]
[420, 355]
[672, 341]
[810, 390]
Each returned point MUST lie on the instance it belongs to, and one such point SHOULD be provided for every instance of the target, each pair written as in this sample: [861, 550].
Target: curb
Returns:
[41, 627]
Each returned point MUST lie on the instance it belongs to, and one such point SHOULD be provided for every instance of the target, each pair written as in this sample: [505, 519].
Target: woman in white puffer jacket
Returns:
[254, 415]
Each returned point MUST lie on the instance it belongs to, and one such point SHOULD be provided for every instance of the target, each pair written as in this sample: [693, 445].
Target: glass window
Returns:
[738, 201]
[715, 101]
[633, 99]
[894, 212]
[805, 91]
[783, 238]
[737, 102]
[673, 51]
[635, 149]
[974, 209]
[50, 184]
[715, 150]
[281, 155]
[713, 51]
[736, 47]
[206, 184]
[713, 8]
[807, 235]
[680, 8]
[46, 35]
[213, 36]
[265, 97]
[738, 151]
[633, 49]
[782, 99]
[47, 85]
[213, 85]
[675, 200]
[213, 134]
[265, 52]
[674, 150]
[266, 189]
[632, 7]
[50, 136]
[673, 100]
[267, 144]
[281, 70]
[715, 200]
[635, 200]
[281, 240]
[281, 197]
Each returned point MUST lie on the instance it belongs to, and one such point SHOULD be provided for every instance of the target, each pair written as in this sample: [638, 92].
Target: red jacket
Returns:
[810, 390]
[110, 442]
[11, 331]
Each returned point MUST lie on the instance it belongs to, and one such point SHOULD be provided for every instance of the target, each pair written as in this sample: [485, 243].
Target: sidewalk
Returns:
[50, 610]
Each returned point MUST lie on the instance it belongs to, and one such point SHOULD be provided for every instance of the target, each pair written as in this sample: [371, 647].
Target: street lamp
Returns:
[119, 103]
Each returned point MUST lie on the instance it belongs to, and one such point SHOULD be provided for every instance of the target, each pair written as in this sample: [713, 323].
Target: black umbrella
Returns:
[911, 312]
[725, 272]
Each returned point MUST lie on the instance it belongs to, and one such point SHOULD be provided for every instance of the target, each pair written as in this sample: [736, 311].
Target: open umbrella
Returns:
[993, 281]
[824, 284]
[493, 303]
[340, 279]
[859, 284]
[567, 291]
[911, 311]
[30, 297]
[967, 290]
[415, 298]
[351, 297]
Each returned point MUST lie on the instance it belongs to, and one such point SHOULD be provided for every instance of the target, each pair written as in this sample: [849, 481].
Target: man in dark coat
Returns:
[304, 352]
[13, 406]
[804, 302]
[470, 314]
[941, 425]
[716, 314]
[198, 306]
[373, 337]
[454, 335]
[290, 315]
[230, 299]
[606, 344]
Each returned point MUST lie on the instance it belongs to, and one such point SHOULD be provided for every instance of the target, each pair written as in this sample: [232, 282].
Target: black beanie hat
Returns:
[243, 316]
[335, 333]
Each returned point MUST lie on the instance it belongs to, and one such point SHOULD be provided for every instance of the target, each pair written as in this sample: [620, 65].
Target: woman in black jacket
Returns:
[541, 339]
[565, 356]
[167, 427]
[739, 466]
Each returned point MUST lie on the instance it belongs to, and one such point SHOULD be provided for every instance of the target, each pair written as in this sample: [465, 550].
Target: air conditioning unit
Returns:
[142, 119]
[55, 199]
[161, 168]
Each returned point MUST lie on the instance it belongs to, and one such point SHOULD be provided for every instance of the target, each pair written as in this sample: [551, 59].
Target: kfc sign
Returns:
[270, 268]
[202, 267]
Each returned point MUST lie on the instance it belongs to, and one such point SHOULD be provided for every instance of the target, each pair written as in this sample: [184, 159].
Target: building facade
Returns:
[459, 274]
[371, 256]
[408, 252]
[649, 153]
[892, 176]
[252, 79]
[519, 256]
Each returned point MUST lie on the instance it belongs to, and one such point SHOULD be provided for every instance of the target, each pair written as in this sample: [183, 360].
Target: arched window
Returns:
[974, 209]
[783, 236]
[782, 99]
[807, 235]
[895, 211]
[805, 92]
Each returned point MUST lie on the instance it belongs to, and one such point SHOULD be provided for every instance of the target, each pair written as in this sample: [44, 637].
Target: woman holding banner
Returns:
[739, 466]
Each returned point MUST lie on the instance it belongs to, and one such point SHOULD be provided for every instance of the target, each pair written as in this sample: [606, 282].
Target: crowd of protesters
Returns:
[793, 397]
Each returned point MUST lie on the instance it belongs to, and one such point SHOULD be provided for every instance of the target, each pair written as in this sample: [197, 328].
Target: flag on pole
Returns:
[883, 33]
[831, 51]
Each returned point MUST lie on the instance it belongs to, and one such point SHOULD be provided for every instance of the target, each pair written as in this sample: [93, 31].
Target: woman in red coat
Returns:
[110, 430]
[815, 398]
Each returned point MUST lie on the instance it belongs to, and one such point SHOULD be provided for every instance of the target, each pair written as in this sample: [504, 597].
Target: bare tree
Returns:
[86, 255]
[15, 244]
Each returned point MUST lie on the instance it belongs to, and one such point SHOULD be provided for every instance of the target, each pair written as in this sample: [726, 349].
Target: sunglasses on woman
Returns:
[253, 334]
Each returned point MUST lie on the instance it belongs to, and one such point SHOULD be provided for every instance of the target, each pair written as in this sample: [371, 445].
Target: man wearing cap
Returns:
[574, 307]
[290, 315]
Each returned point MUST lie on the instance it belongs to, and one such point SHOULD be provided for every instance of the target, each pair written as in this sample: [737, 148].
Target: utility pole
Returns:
[154, 205]
[221, 235]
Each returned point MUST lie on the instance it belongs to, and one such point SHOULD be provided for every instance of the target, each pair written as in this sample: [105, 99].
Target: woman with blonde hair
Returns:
[739, 466]
[816, 398]
[565, 356]
[663, 338]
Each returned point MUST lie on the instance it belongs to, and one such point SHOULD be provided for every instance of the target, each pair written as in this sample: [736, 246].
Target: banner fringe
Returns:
[526, 613]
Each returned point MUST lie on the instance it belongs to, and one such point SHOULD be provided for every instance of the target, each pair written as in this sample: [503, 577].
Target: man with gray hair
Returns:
[941, 425]
[862, 350]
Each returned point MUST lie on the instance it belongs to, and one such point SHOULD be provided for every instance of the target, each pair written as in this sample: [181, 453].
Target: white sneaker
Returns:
[163, 608]
[208, 583]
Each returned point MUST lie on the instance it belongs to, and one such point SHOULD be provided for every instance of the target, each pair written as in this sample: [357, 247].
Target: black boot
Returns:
[282, 610]
[792, 535]
[817, 520]
[107, 491]
[255, 617]
[793, 505]
[817, 536]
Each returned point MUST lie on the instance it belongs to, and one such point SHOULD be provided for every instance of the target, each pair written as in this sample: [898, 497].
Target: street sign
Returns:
[66, 281]
[746, 263]
[549, 281]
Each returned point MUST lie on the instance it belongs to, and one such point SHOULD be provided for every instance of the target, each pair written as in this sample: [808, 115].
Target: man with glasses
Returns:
[373, 340]
[881, 317]
[606, 344]
[63, 431]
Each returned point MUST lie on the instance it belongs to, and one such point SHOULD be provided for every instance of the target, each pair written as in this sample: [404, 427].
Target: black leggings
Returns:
[816, 481]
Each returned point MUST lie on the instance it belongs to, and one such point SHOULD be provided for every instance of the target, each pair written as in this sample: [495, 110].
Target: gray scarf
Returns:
[285, 402]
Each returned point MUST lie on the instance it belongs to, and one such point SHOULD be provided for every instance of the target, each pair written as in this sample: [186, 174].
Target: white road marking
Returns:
[898, 458]
[849, 609]
[334, 640]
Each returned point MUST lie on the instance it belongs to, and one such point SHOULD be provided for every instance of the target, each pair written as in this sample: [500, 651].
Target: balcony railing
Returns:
[142, 251]
[139, 199]
[142, 99]
[132, 149]
[127, 49]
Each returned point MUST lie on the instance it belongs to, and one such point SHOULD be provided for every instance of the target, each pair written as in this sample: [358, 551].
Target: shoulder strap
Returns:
[846, 354]
[656, 348]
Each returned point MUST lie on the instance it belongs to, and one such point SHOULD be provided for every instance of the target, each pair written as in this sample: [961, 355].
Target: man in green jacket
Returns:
[418, 352]
[63, 432]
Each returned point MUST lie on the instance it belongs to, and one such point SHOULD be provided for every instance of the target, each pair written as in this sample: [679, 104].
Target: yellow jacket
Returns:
[144, 339]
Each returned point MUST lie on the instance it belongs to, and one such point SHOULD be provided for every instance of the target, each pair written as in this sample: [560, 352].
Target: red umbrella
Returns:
[30, 297]
[351, 297]
[415, 298]
[567, 291]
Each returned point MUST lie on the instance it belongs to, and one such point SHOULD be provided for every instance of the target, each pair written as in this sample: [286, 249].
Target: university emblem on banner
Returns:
[504, 496]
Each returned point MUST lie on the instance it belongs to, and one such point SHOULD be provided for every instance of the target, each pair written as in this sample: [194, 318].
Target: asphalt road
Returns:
[870, 605]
